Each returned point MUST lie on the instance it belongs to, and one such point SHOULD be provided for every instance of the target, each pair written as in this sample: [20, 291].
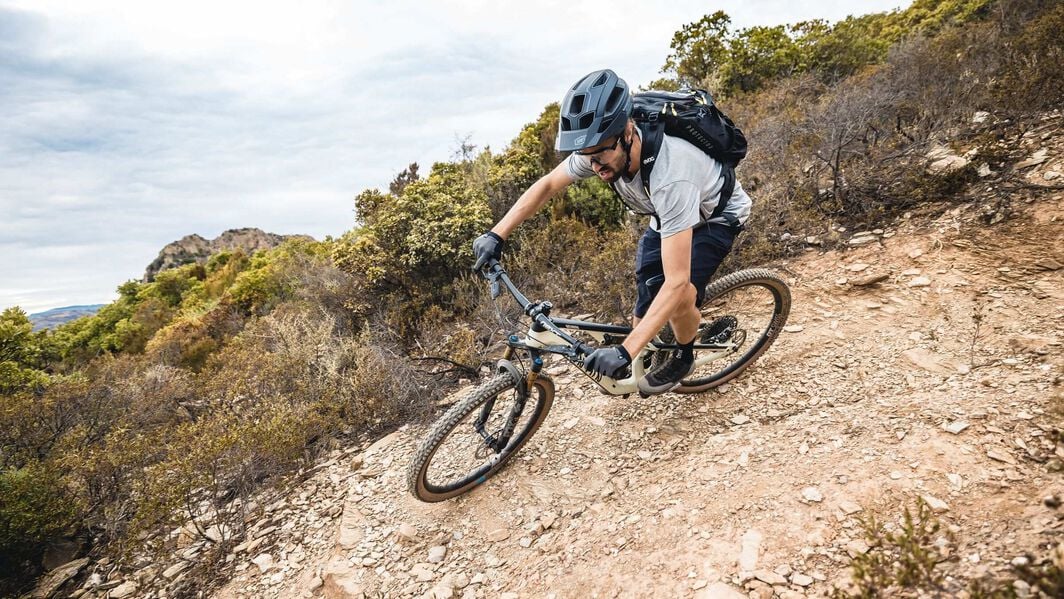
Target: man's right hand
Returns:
[485, 247]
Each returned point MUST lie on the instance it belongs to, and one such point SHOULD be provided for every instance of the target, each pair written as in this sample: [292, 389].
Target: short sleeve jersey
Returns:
[684, 187]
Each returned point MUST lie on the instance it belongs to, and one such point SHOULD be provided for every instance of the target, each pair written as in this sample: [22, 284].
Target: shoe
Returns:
[667, 376]
[720, 330]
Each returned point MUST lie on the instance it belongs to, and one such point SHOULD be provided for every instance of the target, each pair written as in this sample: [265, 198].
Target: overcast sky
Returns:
[129, 124]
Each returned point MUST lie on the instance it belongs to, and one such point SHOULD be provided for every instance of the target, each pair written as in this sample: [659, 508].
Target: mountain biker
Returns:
[680, 250]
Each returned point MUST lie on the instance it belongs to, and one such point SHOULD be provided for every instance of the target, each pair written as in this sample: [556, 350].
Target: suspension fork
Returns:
[524, 383]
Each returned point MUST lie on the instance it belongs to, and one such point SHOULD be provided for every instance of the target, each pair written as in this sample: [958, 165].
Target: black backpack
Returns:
[690, 115]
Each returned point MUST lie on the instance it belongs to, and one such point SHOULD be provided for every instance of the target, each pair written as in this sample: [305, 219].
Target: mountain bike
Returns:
[742, 314]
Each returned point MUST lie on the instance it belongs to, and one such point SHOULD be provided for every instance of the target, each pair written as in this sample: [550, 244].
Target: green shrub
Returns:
[35, 508]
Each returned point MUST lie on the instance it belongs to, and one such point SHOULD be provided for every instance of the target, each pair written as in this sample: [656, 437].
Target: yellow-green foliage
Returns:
[411, 248]
[23, 353]
[707, 53]
[34, 509]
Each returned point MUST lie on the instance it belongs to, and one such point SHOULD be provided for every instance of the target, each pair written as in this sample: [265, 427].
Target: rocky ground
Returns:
[935, 382]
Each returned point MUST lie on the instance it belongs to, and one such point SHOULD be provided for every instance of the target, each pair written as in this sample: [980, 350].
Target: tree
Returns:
[698, 49]
[404, 178]
[23, 353]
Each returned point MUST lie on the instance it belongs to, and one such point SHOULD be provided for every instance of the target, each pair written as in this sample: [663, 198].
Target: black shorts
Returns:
[710, 243]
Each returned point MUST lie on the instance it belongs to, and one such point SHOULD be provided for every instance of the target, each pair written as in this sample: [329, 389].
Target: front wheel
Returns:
[744, 311]
[465, 446]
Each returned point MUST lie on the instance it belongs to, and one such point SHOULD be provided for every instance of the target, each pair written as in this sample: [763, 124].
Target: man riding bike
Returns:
[682, 247]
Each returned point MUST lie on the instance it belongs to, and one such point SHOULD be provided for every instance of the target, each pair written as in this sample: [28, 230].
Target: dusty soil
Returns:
[935, 383]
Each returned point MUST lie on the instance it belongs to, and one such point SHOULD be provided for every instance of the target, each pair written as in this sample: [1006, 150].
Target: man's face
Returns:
[607, 159]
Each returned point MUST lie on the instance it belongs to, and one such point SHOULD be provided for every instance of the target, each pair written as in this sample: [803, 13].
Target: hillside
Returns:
[942, 382]
[57, 316]
[239, 423]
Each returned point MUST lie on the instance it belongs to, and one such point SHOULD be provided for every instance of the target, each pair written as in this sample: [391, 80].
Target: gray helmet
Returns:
[594, 109]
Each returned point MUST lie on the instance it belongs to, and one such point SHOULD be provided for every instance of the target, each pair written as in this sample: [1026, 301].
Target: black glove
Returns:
[608, 361]
[488, 245]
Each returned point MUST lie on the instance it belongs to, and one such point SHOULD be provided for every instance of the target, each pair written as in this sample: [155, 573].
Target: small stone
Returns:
[421, 573]
[750, 545]
[871, 279]
[980, 116]
[461, 580]
[803, 448]
[739, 419]
[793, 328]
[123, 590]
[407, 532]
[857, 547]
[802, 580]
[955, 481]
[1037, 158]
[937, 505]
[920, 282]
[956, 427]
[768, 577]
[499, 534]
[1022, 588]
[525, 542]
[264, 561]
[1001, 456]
[570, 423]
[437, 554]
[947, 165]
[858, 267]
[812, 494]
[1050, 175]
[175, 569]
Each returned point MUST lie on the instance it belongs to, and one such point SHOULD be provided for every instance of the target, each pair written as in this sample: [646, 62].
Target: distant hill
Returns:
[57, 316]
[193, 248]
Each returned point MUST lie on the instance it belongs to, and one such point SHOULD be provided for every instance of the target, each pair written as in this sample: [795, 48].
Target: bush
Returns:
[35, 508]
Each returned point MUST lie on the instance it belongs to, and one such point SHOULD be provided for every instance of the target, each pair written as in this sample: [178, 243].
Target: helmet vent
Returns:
[587, 120]
[576, 106]
[601, 80]
[605, 124]
[567, 124]
[615, 97]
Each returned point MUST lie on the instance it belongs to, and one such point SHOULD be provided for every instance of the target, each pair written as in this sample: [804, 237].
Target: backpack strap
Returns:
[728, 174]
[653, 131]
[653, 135]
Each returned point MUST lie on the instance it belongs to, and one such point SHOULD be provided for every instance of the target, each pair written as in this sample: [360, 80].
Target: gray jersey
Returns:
[684, 187]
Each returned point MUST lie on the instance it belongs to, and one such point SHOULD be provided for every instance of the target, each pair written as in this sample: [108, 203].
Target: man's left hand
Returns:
[608, 361]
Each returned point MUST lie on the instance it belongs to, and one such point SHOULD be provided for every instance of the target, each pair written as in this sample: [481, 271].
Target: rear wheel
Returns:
[744, 311]
[455, 457]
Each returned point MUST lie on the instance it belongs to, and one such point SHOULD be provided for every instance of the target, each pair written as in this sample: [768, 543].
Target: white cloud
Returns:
[130, 124]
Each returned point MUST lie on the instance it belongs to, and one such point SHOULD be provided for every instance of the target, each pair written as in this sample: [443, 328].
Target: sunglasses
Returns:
[595, 154]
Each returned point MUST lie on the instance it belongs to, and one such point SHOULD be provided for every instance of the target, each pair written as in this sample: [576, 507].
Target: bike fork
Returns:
[498, 443]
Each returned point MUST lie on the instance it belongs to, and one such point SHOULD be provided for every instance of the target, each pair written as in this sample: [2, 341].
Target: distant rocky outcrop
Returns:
[193, 248]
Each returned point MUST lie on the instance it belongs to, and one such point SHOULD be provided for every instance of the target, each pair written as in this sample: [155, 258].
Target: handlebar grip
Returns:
[583, 349]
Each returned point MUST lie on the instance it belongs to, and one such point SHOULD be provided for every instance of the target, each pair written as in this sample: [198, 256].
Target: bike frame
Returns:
[548, 335]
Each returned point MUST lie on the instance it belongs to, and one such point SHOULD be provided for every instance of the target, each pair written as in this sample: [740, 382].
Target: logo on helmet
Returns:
[580, 140]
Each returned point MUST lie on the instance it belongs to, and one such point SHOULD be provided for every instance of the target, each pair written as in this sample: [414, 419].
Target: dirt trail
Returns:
[935, 383]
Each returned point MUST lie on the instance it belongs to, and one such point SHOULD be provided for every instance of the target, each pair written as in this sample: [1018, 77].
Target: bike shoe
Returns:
[720, 330]
[667, 376]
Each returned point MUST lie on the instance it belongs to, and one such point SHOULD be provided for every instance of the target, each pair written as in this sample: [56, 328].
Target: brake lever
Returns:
[496, 289]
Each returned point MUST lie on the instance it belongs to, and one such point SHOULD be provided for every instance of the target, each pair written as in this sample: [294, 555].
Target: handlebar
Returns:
[539, 311]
